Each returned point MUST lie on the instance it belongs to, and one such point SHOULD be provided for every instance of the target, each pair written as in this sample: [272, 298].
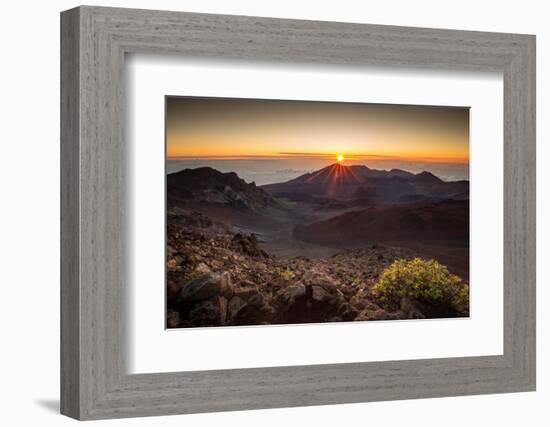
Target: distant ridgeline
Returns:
[361, 185]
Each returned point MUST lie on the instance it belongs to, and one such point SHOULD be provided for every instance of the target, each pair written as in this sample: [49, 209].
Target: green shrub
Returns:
[462, 298]
[427, 282]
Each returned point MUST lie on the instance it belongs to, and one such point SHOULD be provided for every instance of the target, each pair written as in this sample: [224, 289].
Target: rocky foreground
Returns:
[227, 279]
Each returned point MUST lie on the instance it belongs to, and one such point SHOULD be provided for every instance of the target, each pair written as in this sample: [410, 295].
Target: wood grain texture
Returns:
[94, 232]
[70, 297]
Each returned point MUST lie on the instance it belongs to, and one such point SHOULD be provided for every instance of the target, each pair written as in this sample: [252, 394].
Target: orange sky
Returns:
[222, 127]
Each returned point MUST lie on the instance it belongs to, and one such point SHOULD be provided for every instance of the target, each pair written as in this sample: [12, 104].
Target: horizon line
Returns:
[322, 156]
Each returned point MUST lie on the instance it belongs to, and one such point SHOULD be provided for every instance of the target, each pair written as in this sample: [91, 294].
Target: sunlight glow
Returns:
[248, 128]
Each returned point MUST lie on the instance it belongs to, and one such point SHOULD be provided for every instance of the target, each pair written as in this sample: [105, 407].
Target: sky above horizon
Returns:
[231, 128]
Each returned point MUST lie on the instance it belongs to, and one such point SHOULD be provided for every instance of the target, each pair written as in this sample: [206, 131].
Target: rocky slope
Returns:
[227, 279]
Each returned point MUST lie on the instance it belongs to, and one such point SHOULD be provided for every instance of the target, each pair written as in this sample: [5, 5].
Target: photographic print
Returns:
[288, 212]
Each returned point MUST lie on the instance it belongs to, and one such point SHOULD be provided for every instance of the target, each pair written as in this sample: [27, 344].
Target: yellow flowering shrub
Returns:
[428, 282]
[287, 275]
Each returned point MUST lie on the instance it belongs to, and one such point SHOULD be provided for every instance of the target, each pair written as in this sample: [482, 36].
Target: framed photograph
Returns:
[347, 210]
[270, 221]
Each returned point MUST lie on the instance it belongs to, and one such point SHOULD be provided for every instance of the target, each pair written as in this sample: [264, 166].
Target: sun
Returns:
[340, 158]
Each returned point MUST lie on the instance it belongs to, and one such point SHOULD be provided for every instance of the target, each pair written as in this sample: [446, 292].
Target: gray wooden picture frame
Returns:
[94, 382]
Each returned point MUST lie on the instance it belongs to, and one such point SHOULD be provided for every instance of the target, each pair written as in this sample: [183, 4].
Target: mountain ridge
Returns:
[343, 182]
[206, 184]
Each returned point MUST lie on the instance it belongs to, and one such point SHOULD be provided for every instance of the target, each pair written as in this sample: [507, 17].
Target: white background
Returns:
[152, 349]
[29, 218]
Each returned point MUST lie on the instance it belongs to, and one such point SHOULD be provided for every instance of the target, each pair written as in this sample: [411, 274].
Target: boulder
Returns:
[313, 277]
[245, 292]
[347, 312]
[247, 245]
[233, 307]
[288, 295]
[256, 311]
[331, 297]
[292, 303]
[325, 304]
[411, 308]
[210, 312]
[206, 286]
[172, 319]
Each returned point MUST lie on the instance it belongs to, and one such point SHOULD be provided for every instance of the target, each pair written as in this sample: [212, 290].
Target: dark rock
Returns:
[233, 307]
[210, 312]
[300, 303]
[378, 314]
[256, 311]
[411, 308]
[329, 298]
[347, 312]
[245, 292]
[247, 245]
[288, 296]
[206, 286]
[172, 285]
[315, 277]
[324, 303]
[172, 319]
